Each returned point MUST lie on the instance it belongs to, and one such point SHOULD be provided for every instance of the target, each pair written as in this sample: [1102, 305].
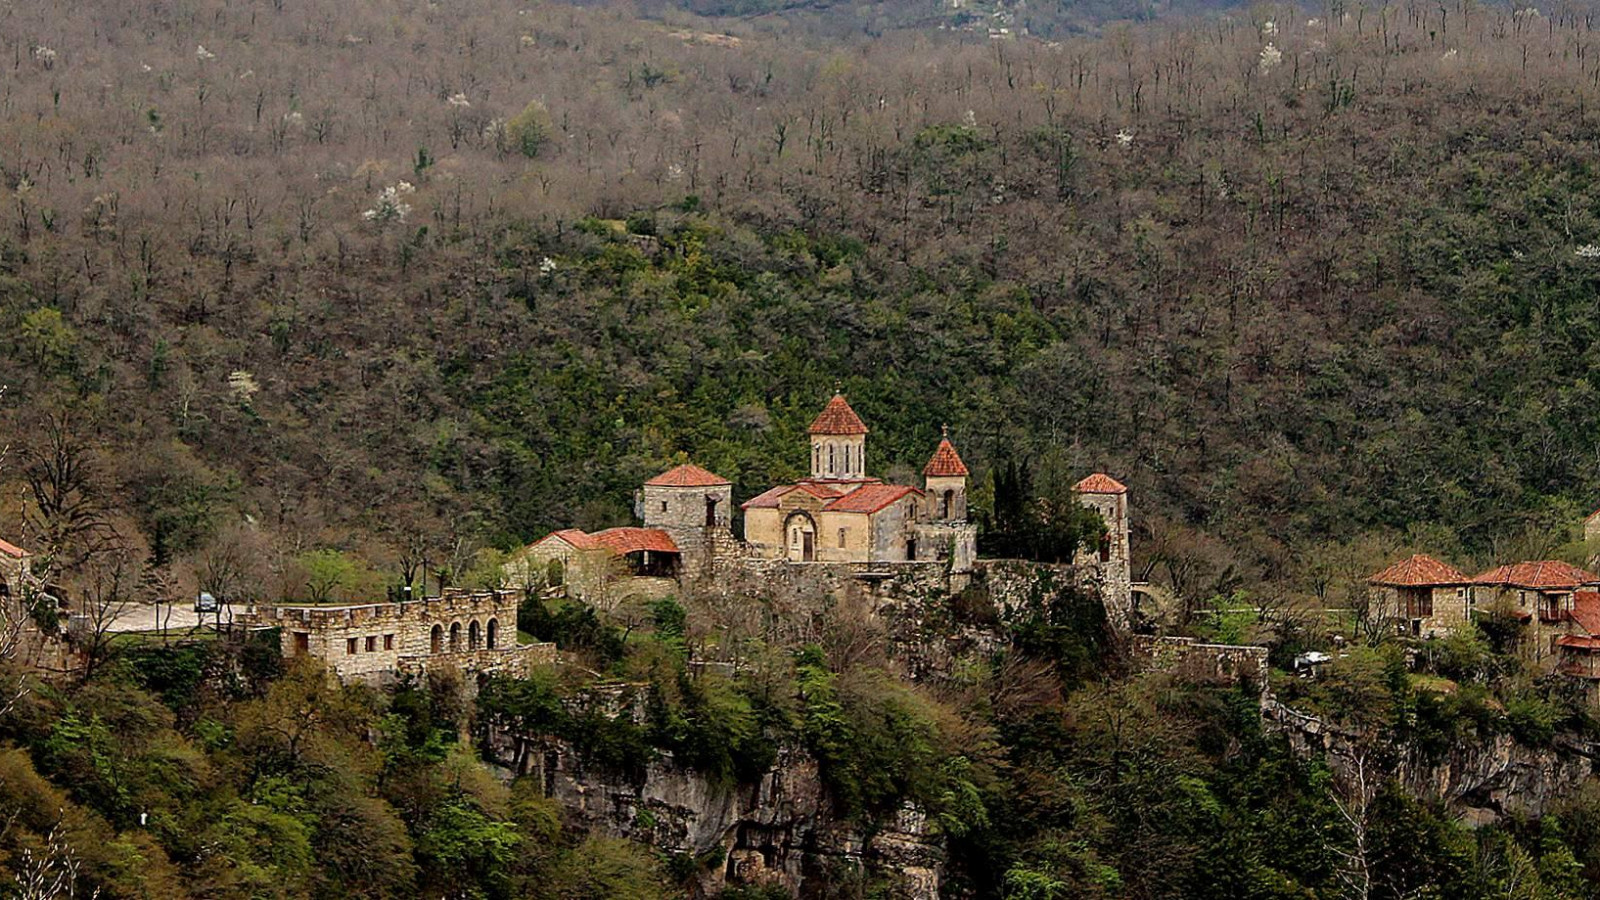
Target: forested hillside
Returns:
[393, 277]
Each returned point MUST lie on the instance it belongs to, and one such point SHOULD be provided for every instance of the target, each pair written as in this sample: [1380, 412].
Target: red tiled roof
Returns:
[574, 537]
[623, 541]
[870, 498]
[1586, 611]
[1100, 483]
[12, 550]
[1592, 515]
[1542, 575]
[838, 418]
[687, 475]
[1418, 571]
[946, 462]
[767, 499]
[771, 497]
[1578, 642]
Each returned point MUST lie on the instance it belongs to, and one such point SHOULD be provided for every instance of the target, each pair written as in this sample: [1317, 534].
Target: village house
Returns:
[16, 564]
[475, 632]
[1426, 597]
[1542, 595]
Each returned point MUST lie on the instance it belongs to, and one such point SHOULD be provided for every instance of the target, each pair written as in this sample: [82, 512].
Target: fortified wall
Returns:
[475, 632]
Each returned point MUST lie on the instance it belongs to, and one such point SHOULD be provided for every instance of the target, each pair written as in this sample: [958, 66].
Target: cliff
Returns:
[777, 830]
[1480, 781]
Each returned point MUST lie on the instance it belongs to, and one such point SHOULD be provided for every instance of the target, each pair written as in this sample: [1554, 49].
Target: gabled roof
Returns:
[687, 475]
[946, 462]
[574, 538]
[12, 550]
[623, 541]
[771, 497]
[1592, 515]
[870, 498]
[838, 418]
[1100, 483]
[1418, 571]
[1548, 574]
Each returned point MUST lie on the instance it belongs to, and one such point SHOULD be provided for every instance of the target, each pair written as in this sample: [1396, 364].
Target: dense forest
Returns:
[380, 276]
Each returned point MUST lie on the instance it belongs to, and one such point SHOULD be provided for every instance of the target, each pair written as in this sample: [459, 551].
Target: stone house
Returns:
[1426, 597]
[590, 565]
[1578, 653]
[1542, 595]
[694, 508]
[474, 632]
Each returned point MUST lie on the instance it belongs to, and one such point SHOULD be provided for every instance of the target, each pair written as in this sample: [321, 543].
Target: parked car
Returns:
[206, 603]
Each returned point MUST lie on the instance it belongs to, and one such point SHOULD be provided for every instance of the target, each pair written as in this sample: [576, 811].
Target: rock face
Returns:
[1481, 782]
[778, 830]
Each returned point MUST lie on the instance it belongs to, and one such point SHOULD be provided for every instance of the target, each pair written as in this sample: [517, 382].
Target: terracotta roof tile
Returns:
[1100, 483]
[1586, 611]
[1578, 642]
[767, 499]
[1542, 575]
[574, 537]
[687, 475]
[12, 550]
[870, 498]
[838, 418]
[1418, 571]
[623, 541]
[946, 462]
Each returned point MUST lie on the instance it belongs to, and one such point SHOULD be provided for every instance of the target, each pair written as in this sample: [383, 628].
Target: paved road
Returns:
[179, 619]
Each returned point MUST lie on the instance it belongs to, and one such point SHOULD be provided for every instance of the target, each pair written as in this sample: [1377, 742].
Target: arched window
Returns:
[473, 634]
[438, 639]
[455, 636]
[492, 634]
[949, 502]
[831, 467]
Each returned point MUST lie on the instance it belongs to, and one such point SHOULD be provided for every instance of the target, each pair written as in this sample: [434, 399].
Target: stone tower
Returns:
[838, 443]
[695, 507]
[945, 478]
[1109, 497]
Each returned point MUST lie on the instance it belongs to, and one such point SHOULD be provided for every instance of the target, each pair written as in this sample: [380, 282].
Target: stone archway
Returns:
[800, 537]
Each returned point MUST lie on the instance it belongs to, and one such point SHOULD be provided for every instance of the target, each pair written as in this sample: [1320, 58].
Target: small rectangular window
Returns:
[350, 646]
[663, 506]
[388, 642]
[372, 643]
[841, 537]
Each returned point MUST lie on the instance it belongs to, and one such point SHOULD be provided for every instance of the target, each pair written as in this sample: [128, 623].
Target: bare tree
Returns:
[50, 873]
[66, 515]
[106, 596]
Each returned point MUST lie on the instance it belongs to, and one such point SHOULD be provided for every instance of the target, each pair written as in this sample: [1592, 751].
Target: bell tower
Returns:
[945, 477]
[838, 443]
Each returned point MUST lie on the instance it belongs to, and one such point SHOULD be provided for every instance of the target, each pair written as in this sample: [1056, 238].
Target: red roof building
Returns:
[1100, 483]
[1419, 570]
[687, 475]
[837, 418]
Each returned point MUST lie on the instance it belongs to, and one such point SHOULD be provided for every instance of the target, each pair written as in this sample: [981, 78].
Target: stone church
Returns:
[837, 514]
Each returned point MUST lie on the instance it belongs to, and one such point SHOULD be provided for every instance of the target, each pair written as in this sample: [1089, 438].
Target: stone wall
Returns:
[1207, 664]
